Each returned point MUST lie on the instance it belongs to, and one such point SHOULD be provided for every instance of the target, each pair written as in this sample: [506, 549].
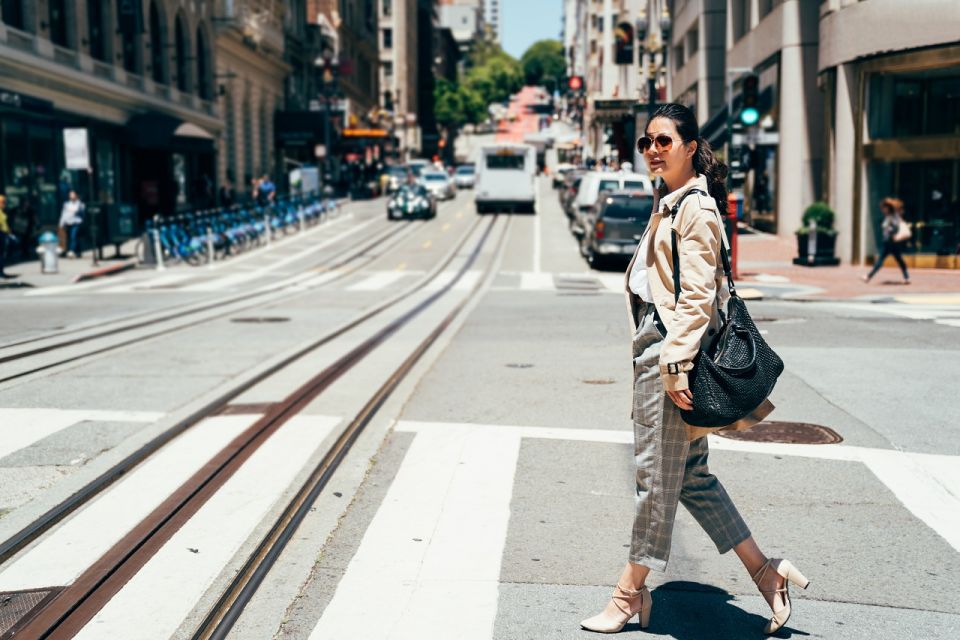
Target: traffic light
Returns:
[749, 113]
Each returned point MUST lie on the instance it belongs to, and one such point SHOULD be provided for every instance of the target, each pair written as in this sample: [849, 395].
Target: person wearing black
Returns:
[892, 209]
[5, 236]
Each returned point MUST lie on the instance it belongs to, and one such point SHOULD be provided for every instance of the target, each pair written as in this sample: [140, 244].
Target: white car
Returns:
[595, 182]
[465, 177]
[439, 184]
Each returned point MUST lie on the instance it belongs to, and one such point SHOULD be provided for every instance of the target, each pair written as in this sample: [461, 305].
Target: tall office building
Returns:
[491, 15]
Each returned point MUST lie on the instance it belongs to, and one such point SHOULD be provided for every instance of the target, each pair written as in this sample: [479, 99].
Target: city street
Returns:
[457, 391]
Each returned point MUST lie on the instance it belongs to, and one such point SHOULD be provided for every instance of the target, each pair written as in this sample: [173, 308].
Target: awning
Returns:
[160, 131]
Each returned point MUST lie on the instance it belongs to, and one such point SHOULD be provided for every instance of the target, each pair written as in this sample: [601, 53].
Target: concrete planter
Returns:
[824, 254]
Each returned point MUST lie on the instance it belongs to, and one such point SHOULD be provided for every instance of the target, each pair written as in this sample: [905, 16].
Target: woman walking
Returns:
[895, 235]
[671, 458]
[71, 217]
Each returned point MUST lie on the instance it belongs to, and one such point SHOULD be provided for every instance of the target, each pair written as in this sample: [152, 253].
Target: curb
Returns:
[104, 271]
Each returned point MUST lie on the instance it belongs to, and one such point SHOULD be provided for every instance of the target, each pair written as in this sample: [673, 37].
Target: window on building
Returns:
[231, 135]
[264, 136]
[388, 38]
[13, 13]
[203, 66]
[693, 42]
[246, 116]
[182, 52]
[157, 66]
[766, 6]
[387, 8]
[97, 43]
[678, 57]
[388, 69]
[740, 15]
[57, 12]
[129, 25]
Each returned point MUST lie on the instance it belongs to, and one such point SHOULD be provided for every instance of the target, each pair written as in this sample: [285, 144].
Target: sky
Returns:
[526, 21]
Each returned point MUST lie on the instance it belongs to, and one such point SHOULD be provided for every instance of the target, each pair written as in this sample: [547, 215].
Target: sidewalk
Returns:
[765, 263]
[72, 269]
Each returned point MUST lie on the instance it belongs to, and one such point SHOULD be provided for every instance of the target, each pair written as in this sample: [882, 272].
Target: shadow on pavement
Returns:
[693, 611]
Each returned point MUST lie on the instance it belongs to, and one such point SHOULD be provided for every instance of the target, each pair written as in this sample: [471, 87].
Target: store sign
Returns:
[76, 149]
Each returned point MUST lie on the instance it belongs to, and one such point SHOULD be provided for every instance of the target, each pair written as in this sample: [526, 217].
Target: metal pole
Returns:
[157, 245]
[210, 247]
[266, 224]
[93, 218]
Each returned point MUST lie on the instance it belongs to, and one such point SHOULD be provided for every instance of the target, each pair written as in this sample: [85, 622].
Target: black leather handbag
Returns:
[737, 370]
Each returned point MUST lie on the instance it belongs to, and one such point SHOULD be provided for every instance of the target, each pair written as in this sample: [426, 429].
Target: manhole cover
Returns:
[260, 320]
[16, 606]
[599, 381]
[786, 433]
[519, 365]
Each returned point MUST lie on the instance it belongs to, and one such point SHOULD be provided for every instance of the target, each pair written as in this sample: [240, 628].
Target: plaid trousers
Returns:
[669, 467]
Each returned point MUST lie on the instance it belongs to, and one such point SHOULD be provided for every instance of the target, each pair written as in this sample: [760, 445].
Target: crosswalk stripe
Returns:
[377, 281]
[20, 428]
[185, 567]
[467, 282]
[62, 556]
[437, 538]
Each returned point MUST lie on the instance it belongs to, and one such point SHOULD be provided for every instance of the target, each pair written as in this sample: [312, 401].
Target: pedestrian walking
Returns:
[895, 233]
[671, 460]
[5, 237]
[71, 217]
[267, 190]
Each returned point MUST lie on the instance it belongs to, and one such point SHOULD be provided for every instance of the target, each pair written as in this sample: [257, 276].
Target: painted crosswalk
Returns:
[453, 492]
[20, 428]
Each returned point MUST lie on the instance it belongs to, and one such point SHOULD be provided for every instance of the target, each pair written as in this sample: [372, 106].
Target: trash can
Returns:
[49, 252]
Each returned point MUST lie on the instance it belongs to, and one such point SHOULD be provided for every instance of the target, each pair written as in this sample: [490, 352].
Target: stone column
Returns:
[843, 159]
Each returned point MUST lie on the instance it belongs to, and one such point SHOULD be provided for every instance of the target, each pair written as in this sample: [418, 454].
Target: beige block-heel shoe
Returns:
[629, 603]
[786, 570]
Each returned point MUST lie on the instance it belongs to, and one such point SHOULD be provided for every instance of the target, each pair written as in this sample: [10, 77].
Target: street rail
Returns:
[176, 315]
[66, 613]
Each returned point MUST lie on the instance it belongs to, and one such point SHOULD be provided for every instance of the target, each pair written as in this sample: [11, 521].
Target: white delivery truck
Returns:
[506, 178]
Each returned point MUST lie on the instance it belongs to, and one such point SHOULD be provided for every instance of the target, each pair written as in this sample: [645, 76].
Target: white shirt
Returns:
[71, 214]
[639, 281]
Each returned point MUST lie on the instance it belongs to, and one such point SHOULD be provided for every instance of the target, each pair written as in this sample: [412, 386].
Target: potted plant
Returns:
[817, 239]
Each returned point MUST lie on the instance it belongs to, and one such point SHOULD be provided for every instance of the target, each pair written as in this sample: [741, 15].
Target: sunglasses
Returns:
[663, 141]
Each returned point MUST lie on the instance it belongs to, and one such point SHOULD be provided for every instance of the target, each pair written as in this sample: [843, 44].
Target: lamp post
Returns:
[327, 63]
[653, 42]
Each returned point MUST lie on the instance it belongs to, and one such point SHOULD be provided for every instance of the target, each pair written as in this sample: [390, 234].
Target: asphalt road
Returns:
[492, 495]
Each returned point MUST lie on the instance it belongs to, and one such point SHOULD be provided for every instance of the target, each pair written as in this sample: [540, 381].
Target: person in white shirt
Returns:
[71, 217]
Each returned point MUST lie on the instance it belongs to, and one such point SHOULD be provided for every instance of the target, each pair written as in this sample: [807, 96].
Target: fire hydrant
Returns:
[49, 252]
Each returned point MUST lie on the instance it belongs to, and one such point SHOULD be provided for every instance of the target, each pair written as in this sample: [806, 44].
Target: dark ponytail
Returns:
[703, 159]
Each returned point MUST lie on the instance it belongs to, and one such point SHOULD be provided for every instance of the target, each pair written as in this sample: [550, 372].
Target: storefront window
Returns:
[916, 104]
[106, 175]
[930, 191]
[13, 13]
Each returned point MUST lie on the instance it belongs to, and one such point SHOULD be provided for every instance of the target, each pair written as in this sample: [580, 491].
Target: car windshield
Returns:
[622, 208]
[417, 169]
[609, 185]
[411, 189]
[399, 172]
[465, 170]
[435, 177]
[634, 184]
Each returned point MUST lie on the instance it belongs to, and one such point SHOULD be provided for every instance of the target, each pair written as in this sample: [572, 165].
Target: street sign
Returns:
[76, 149]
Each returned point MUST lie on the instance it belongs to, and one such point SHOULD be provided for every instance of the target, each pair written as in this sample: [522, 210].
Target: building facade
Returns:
[492, 18]
[399, 72]
[890, 76]
[857, 100]
[139, 76]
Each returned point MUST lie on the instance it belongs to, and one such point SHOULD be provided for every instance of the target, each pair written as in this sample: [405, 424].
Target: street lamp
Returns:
[327, 63]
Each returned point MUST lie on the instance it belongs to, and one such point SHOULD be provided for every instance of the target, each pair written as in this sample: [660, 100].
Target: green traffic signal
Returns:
[749, 116]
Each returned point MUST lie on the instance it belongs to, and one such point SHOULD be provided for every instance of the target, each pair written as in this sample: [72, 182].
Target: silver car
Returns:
[615, 225]
[465, 177]
[439, 184]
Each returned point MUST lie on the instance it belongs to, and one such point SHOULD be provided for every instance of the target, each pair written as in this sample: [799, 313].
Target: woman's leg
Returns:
[879, 263]
[73, 246]
[897, 251]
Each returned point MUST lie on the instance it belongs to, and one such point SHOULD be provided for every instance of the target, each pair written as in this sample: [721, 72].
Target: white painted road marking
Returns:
[467, 282]
[433, 551]
[377, 281]
[63, 555]
[20, 428]
[191, 560]
[452, 493]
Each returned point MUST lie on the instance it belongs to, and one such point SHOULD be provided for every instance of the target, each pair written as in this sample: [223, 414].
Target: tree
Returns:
[455, 105]
[544, 61]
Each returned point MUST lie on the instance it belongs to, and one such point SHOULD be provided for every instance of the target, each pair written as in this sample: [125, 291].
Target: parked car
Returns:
[439, 184]
[615, 227]
[465, 177]
[411, 201]
[568, 193]
[560, 173]
[594, 182]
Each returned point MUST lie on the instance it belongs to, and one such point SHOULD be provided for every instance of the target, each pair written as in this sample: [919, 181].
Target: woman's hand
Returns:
[683, 399]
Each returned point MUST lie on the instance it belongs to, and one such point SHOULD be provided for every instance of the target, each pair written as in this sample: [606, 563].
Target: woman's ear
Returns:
[692, 149]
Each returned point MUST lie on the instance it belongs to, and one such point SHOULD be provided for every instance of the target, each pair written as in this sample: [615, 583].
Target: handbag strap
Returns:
[724, 258]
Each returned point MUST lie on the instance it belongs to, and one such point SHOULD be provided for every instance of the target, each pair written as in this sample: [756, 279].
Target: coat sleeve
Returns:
[699, 245]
